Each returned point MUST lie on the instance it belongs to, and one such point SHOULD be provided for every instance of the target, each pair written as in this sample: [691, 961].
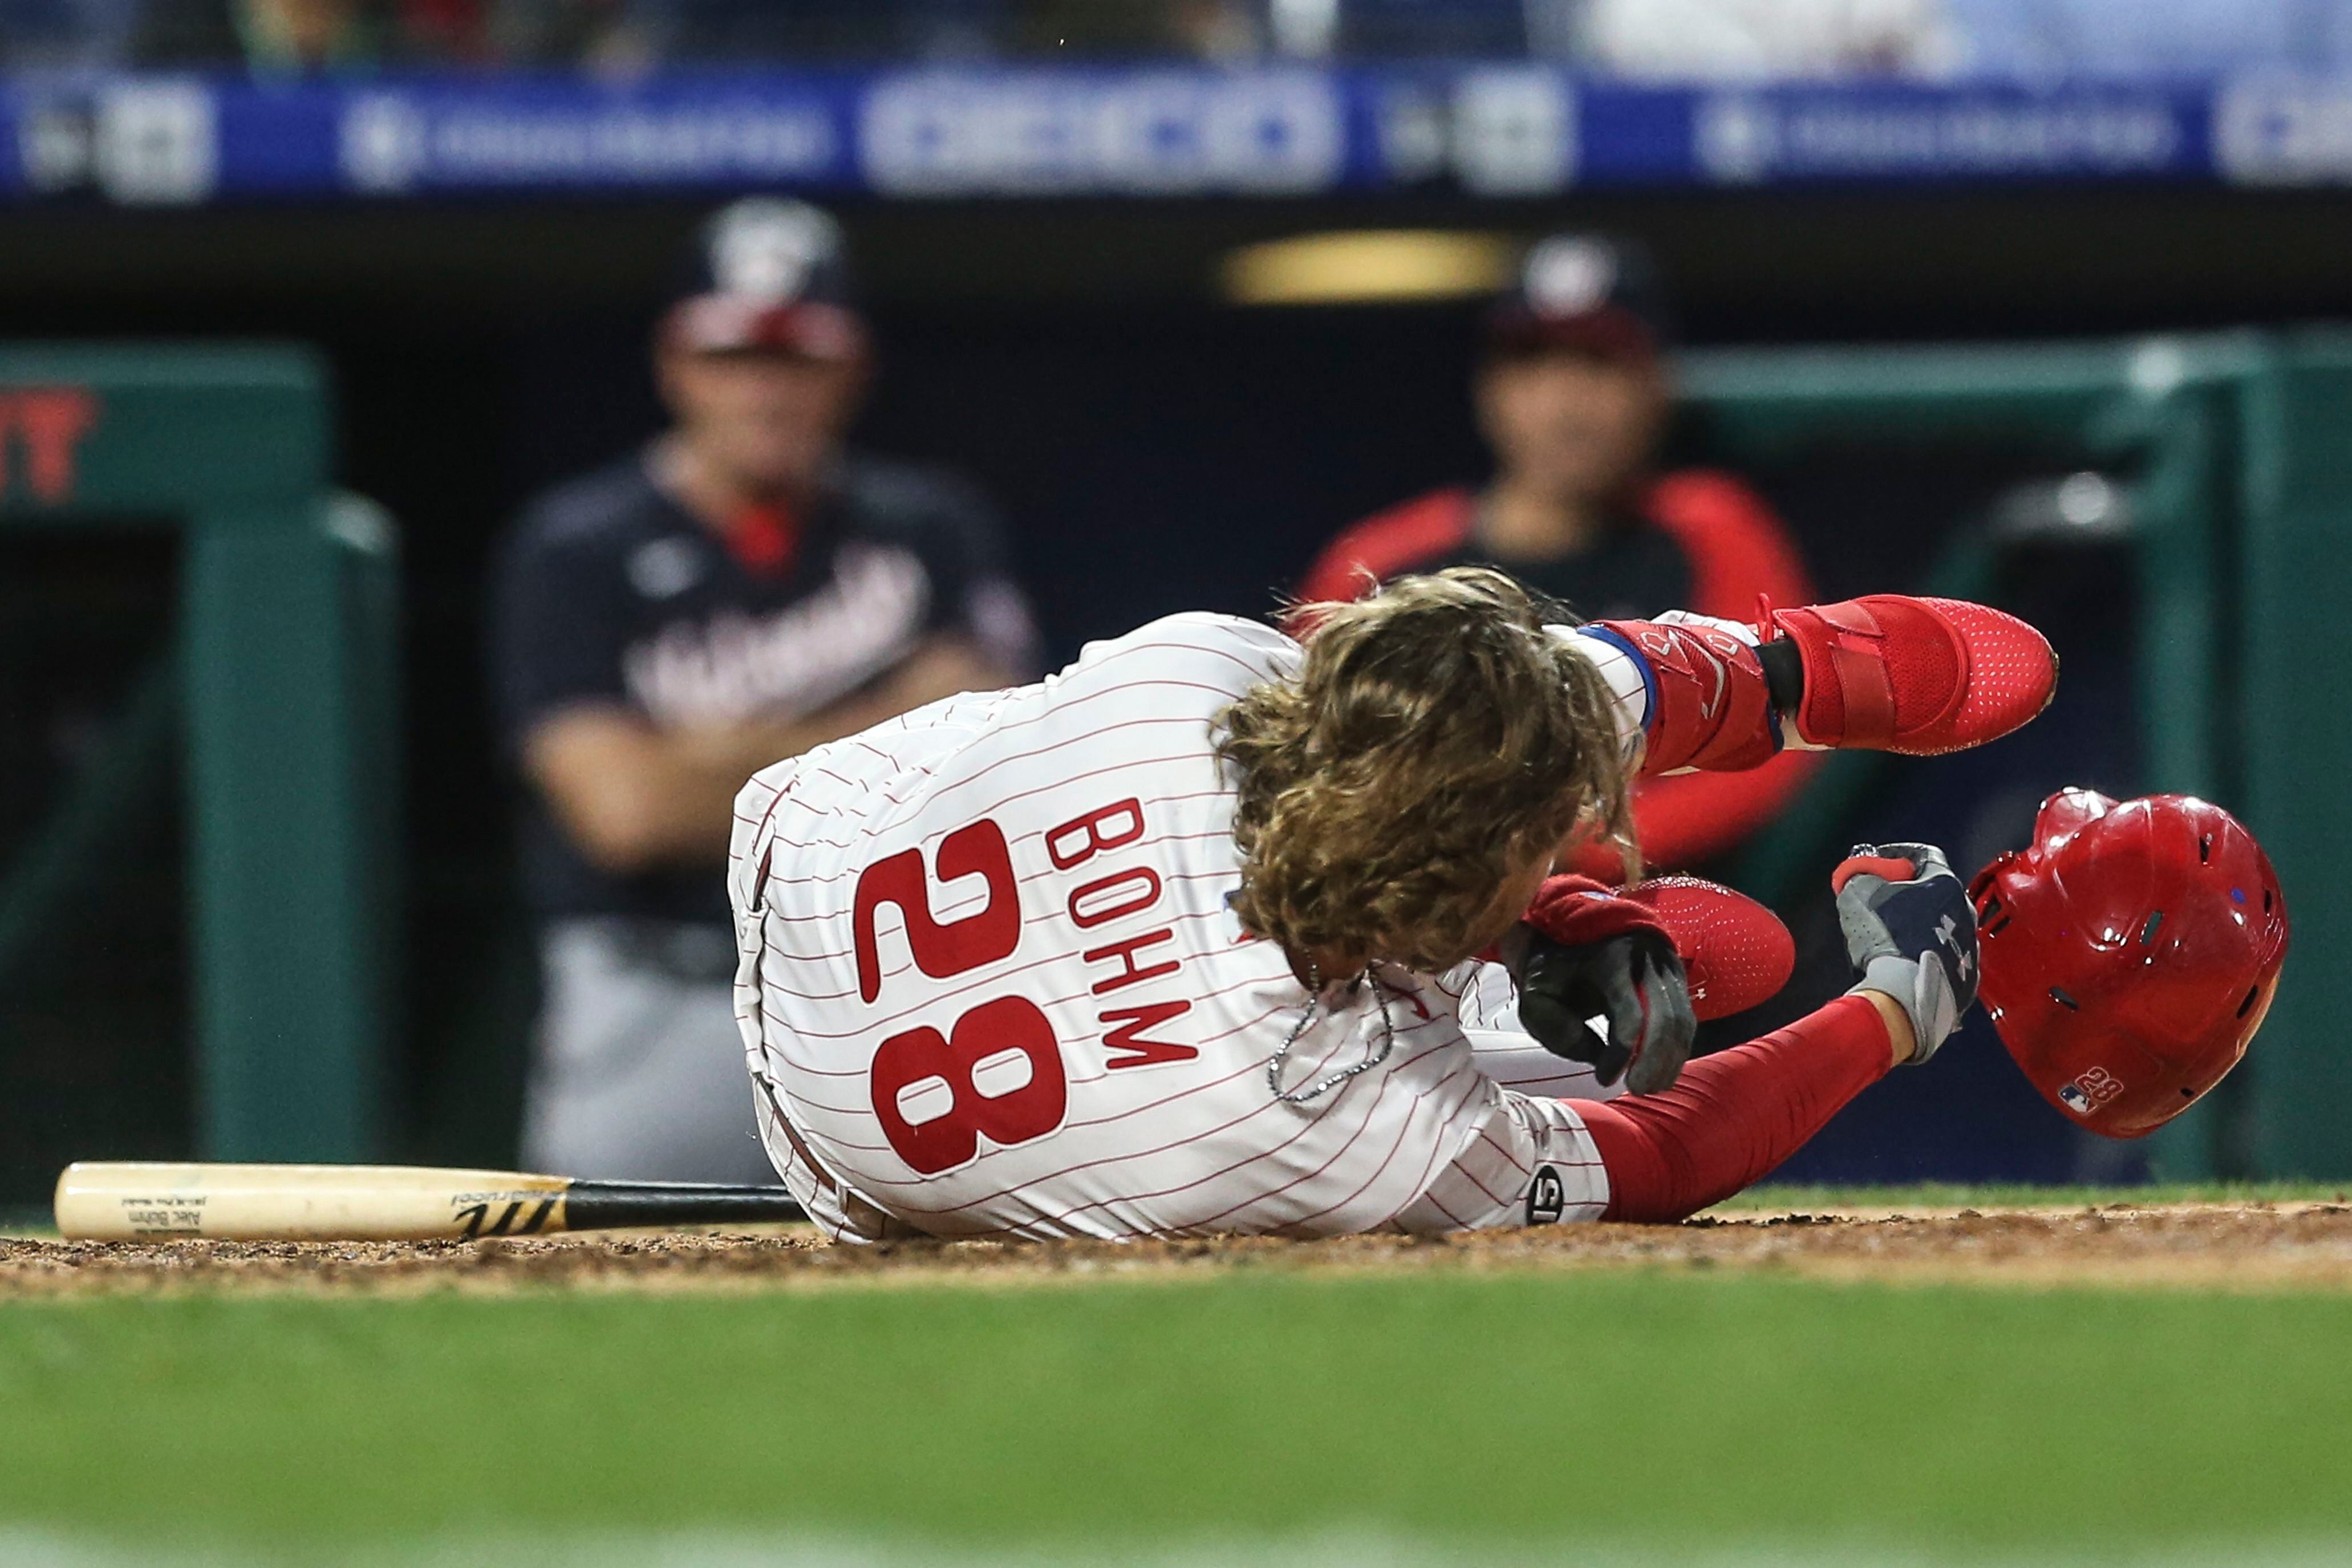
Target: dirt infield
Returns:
[2305, 1246]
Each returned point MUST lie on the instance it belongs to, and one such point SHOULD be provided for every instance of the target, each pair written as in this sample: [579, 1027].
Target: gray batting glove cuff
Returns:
[1920, 990]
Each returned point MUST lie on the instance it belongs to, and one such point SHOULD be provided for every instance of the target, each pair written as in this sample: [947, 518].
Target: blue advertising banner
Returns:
[564, 135]
[1506, 129]
[1915, 134]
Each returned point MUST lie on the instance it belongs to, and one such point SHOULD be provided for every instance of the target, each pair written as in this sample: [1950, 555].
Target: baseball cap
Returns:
[1582, 291]
[766, 273]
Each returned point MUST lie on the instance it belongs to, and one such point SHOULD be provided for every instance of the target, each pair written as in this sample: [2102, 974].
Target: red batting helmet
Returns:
[2129, 953]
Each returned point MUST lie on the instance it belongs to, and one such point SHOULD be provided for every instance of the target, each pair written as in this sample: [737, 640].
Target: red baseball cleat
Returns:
[1736, 952]
[1919, 676]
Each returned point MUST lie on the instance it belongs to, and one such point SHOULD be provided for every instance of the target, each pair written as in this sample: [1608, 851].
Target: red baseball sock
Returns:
[1735, 1115]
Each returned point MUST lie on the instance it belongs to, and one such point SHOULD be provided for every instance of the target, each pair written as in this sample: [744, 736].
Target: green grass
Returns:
[1667, 1410]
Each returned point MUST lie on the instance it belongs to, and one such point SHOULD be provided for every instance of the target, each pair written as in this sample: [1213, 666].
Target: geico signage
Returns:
[943, 132]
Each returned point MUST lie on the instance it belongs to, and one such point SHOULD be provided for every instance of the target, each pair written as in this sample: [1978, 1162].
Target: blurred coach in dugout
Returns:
[740, 590]
[1573, 396]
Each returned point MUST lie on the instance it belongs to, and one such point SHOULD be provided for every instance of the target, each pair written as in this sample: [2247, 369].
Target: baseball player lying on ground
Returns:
[1217, 931]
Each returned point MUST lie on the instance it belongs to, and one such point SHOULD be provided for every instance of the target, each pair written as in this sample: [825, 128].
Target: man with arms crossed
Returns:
[1178, 941]
[740, 590]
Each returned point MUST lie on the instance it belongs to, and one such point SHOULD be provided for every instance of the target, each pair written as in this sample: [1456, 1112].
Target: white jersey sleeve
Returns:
[1625, 674]
[990, 984]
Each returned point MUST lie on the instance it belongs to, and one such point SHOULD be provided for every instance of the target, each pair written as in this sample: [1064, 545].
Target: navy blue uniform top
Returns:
[608, 593]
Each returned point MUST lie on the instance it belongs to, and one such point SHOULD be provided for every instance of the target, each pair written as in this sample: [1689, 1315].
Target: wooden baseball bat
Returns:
[126, 1201]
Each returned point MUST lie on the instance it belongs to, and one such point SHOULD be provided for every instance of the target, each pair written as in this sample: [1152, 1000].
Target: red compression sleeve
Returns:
[1735, 1115]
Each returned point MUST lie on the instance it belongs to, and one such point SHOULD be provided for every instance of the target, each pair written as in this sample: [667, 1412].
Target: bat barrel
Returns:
[101, 1201]
[141, 1201]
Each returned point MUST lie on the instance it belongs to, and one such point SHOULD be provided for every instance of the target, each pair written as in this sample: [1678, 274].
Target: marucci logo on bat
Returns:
[477, 1221]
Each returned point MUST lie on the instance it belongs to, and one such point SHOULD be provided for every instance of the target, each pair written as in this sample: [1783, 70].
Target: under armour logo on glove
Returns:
[1947, 934]
[1911, 931]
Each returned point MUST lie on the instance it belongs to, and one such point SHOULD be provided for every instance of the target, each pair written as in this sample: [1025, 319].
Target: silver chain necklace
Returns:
[1315, 1091]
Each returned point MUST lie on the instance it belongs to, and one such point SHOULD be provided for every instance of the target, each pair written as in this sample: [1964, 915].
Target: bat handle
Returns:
[652, 1205]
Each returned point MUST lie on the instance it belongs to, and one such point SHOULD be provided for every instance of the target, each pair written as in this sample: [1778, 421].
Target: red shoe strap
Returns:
[1869, 696]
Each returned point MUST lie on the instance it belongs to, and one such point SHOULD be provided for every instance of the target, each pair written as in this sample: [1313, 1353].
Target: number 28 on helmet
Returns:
[2129, 954]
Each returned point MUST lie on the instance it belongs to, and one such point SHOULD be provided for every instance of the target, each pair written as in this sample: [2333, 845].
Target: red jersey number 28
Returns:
[997, 1071]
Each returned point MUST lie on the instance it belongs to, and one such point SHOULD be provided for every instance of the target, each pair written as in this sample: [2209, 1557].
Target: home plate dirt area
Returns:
[2243, 1246]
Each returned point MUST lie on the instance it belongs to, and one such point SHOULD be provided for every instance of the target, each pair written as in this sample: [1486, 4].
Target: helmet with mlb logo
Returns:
[2129, 953]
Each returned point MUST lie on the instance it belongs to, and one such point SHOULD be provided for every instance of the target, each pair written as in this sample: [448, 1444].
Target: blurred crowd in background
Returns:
[1683, 40]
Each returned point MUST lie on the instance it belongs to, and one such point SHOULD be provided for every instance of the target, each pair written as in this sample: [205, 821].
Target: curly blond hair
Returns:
[1435, 739]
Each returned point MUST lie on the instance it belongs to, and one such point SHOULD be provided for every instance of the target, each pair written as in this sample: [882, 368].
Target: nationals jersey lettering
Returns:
[990, 984]
[609, 594]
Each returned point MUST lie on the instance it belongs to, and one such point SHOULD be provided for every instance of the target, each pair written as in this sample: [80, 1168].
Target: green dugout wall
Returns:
[283, 678]
[2297, 662]
[2237, 450]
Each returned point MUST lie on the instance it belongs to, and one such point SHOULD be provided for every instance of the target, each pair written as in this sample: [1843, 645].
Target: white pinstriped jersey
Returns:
[990, 985]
